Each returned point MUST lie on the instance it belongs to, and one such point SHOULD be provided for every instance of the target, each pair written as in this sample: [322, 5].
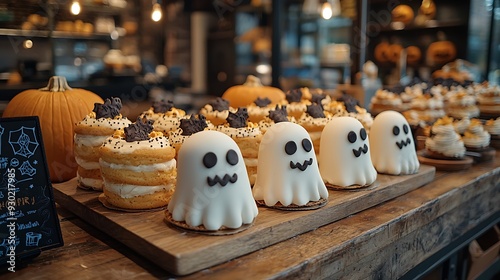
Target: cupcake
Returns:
[385, 100]
[138, 167]
[493, 127]
[476, 138]
[461, 105]
[216, 111]
[444, 142]
[461, 125]
[247, 136]
[489, 100]
[427, 108]
[90, 134]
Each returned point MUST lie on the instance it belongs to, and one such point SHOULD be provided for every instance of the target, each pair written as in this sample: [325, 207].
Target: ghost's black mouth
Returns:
[358, 152]
[227, 178]
[403, 143]
[303, 166]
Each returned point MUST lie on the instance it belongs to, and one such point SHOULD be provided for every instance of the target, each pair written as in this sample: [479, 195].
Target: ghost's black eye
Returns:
[405, 128]
[209, 160]
[395, 130]
[232, 157]
[362, 134]
[306, 144]
[290, 147]
[352, 136]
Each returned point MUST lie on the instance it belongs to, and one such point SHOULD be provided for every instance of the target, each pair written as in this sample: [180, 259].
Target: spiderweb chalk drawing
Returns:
[27, 169]
[23, 141]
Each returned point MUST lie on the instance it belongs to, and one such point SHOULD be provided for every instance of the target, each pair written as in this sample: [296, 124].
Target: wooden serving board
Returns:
[182, 253]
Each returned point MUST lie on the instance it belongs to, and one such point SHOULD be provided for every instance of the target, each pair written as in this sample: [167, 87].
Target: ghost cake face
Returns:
[287, 171]
[213, 191]
[391, 145]
[344, 158]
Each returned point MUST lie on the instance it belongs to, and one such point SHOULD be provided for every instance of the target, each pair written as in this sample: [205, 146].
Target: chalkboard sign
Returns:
[28, 217]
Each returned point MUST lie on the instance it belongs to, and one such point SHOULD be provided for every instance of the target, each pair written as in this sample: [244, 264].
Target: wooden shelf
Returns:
[55, 34]
[431, 24]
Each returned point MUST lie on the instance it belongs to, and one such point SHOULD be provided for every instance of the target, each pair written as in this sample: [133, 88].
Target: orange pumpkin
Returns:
[413, 54]
[428, 9]
[395, 52]
[58, 107]
[441, 52]
[402, 13]
[381, 52]
[245, 94]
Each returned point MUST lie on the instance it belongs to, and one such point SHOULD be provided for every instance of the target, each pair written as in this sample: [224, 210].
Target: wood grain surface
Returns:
[182, 252]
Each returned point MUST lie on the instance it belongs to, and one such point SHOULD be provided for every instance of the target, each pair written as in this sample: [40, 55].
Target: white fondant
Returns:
[387, 156]
[197, 203]
[337, 163]
[276, 180]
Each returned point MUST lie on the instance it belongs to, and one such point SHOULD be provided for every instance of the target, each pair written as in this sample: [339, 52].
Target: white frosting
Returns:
[461, 125]
[427, 103]
[120, 146]
[337, 162]
[390, 153]
[463, 112]
[493, 126]
[140, 168]
[461, 100]
[445, 141]
[216, 206]
[95, 184]
[476, 136]
[89, 140]
[385, 97]
[276, 180]
[118, 123]
[89, 165]
[129, 191]
[239, 132]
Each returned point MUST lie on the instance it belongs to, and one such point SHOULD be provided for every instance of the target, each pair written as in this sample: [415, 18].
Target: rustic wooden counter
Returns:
[385, 241]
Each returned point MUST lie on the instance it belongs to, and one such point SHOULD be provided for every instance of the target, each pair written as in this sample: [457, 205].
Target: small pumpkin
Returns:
[413, 54]
[381, 52]
[428, 9]
[58, 107]
[395, 52]
[441, 52]
[245, 94]
[402, 13]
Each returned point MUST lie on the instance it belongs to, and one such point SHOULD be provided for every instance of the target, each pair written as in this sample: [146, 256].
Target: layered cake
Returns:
[296, 105]
[384, 100]
[217, 197]
[138, 167]
[287, 175]
[247, 136]
[392, 146]
[163, 109]
[90, 134]
[444, 142]
[314, 120]
[187, 127]
[216, 111]
[259, 109]
[427, 108]
[344, 158]
[279, 114]
[489, 100]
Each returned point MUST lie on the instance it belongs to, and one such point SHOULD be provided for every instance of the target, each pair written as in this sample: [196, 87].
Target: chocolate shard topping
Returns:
[162, 106]
[315, 111]
[350, 102]
[110, 108]
[294, 95]
[219, 104]
[262, 102]
[238, 119]
[195, 123]
[139, 130]
[279, 114]
[317, 98]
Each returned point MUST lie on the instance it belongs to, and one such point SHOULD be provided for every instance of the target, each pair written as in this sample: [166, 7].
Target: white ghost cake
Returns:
[287, 173]
[213, 193]
[344, 158]
[391, 145]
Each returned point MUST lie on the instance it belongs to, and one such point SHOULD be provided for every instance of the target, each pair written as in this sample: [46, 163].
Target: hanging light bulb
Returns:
[326, 10]
[156, 14]
[75, 7]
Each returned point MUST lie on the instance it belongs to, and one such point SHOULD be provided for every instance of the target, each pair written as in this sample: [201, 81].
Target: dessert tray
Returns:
[445, 165]
[183, 252]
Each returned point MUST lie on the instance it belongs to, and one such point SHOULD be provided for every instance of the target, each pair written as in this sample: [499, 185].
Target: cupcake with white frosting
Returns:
[90, 134]
[476, 138]
[444, 142]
